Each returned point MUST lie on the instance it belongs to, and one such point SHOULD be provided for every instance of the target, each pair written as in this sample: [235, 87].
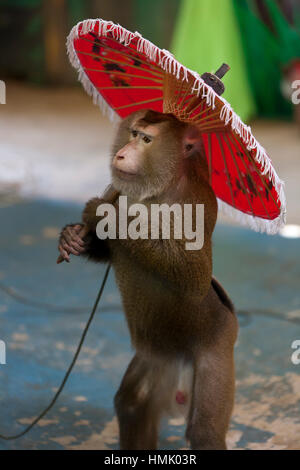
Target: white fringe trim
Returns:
[271, 227]
[168, 63]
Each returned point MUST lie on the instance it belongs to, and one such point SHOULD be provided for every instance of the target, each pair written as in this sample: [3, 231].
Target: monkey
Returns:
[182, 323]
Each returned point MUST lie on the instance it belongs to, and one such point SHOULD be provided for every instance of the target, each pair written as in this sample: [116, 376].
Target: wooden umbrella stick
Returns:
[214, 79]
[222, 70]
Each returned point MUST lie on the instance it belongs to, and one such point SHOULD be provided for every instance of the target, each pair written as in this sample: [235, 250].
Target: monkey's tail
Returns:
[222, 294]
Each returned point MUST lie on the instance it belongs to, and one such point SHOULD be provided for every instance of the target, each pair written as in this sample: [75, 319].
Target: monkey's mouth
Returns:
[124, 174]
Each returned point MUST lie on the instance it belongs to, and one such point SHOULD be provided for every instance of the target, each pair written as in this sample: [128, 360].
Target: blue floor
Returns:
[41, 326]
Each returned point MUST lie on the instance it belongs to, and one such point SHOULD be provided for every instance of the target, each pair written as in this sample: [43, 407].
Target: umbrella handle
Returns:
[222, 70]
[214, 79]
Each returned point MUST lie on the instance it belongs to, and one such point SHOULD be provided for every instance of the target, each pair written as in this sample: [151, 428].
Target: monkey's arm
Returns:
[97, 249]
[89, 217]
[75, 239]
[168, 259]
[81, 239]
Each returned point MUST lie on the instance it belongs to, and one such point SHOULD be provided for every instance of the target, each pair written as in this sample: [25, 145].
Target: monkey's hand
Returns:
[71, 241]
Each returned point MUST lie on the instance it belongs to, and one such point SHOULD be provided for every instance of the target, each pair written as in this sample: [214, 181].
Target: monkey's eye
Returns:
[146, 139]
[189, 147]
[134, 133]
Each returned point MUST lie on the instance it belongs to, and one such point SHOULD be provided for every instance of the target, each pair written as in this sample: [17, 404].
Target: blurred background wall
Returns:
[49, 127]
[33, 32]
[54, 156]
[260, 39]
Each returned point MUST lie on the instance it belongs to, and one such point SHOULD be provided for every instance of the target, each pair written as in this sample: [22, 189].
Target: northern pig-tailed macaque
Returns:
[182, 323]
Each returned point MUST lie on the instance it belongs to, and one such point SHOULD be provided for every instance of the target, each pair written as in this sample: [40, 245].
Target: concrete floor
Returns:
[43, 137]
[260, 272]
[53, 143]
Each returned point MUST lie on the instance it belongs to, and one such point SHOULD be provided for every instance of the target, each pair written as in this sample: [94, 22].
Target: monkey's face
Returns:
[146, 154]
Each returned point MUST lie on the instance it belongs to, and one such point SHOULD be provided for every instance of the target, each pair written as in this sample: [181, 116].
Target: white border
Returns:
[167, 62]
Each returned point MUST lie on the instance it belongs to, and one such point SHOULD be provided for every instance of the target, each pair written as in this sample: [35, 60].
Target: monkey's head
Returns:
[149, 152]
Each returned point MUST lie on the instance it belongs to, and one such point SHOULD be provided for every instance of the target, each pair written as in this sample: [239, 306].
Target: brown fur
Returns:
[174, 308]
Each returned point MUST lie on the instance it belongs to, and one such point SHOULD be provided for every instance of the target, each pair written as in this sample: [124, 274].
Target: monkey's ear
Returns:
[192, 142]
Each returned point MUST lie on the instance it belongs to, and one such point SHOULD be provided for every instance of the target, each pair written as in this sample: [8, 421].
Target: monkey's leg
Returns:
[137, 410]
[212, 399]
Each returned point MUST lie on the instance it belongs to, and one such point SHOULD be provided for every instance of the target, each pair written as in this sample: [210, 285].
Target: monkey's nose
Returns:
[120, 157]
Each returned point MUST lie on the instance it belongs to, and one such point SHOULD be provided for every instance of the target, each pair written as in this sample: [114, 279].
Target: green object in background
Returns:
[206, 35]
[287, 36]
[21, 40]
[155, 19]
[267, 52]
[78, 10]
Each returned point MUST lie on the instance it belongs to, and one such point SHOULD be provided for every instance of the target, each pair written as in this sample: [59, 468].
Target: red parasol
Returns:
[124, 72]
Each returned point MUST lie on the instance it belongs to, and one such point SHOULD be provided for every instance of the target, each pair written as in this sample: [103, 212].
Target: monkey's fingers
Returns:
[68, 238]
[78, 228]
[64, 256]
[83, 232]
[71, 234]
[70, 243]
[70, 247]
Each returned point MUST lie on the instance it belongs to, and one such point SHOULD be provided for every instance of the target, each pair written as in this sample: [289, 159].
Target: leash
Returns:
[70, 368]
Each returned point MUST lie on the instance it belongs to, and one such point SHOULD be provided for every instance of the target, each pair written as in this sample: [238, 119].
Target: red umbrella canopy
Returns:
[124, 72]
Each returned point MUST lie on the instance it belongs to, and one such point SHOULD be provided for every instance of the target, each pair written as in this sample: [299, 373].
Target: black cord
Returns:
[19, 297]
[14, 294]
[70, 368]
[54, 399]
